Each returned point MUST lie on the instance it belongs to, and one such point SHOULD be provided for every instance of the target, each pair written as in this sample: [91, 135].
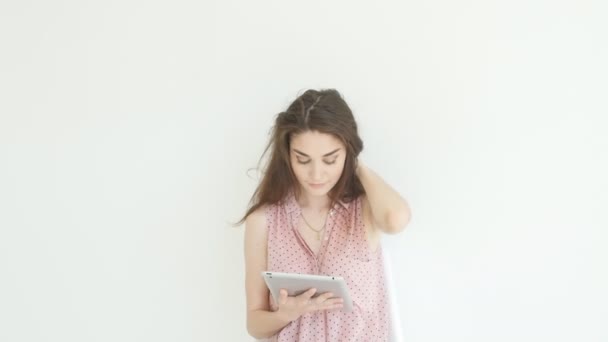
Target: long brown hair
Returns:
[324, 111]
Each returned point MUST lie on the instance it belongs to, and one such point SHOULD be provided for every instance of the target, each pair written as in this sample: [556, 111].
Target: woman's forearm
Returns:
[263, 324]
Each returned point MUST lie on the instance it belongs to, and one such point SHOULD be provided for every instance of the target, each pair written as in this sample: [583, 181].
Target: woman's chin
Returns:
[311, 190]
[318, 191]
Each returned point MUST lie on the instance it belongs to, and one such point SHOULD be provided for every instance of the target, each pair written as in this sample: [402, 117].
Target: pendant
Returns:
[318, 236]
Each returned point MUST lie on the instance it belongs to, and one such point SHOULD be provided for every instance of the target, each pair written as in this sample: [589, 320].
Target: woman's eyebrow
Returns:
[325, 155]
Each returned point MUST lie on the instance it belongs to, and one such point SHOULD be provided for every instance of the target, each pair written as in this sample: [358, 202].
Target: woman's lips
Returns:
[316, 186]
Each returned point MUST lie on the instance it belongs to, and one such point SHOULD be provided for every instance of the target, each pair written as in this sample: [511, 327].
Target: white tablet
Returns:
[296, 284]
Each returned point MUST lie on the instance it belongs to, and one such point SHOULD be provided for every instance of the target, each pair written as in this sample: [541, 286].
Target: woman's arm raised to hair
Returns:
[261, 322]
[390, 212]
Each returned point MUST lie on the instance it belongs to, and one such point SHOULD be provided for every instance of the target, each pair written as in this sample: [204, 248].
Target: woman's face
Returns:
[317, 160]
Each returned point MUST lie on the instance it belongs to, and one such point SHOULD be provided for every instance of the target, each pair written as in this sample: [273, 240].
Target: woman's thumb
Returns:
[283, 296]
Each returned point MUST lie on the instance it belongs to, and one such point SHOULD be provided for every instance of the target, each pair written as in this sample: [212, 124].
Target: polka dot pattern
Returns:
[344, 252]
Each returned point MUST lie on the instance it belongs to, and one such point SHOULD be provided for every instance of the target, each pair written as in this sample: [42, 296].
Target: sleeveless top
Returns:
[344, 252]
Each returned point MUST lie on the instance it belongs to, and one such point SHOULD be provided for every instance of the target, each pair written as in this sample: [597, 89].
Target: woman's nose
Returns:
[316, 172]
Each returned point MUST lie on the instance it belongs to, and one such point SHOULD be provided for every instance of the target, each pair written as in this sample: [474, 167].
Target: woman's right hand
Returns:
[292, 307]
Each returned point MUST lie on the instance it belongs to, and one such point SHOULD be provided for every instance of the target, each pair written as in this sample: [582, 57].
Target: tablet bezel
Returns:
[296, 283]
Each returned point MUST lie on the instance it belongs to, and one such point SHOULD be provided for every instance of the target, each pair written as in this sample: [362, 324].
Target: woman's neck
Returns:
[316, 204]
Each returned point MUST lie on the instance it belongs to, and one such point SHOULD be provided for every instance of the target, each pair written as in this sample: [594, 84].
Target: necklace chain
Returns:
[309, 226]
[315, 230]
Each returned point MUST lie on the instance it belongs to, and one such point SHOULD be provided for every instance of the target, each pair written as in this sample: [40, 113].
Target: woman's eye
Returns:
[326, 162]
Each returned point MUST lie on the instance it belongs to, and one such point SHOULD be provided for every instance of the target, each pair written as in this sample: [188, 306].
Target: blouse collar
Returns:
[292, 205]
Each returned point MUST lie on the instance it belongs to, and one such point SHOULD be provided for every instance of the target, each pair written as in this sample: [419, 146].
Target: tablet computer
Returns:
[296, 284]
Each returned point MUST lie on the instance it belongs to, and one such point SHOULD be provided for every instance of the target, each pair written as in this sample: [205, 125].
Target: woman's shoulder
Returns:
[255, 222]
[271, 209]
[259, 213]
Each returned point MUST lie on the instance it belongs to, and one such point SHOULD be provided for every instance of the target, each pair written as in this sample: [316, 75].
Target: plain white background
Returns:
[127, 129]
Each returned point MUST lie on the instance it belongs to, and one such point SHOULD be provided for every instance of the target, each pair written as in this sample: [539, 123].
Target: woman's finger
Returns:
[334, 306]
[324, 297]
[283, 296]
[308, 294]
[334, 301]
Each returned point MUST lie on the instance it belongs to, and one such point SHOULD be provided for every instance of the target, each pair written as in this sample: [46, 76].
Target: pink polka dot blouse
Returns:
[344, 252]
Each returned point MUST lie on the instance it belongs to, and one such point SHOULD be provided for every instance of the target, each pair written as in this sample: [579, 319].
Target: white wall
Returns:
[127, 128]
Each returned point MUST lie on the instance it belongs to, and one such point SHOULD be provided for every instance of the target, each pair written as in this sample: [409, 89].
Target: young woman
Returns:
[318, 210]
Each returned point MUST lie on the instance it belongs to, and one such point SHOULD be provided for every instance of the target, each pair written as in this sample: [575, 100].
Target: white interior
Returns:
[127, 128]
